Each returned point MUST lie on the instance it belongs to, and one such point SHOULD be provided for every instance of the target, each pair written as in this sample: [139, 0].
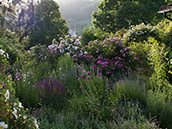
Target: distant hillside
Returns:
[78, 12]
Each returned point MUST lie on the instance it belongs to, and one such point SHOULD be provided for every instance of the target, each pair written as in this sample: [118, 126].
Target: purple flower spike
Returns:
[87, 78]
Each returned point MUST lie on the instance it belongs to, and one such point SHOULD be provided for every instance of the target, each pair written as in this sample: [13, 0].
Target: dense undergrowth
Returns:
[106, 84]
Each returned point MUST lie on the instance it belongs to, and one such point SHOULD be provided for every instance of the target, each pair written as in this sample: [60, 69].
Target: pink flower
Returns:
[95, 66]
[107, 73]
[75, 59]
[113, 68]
[99, 62]
[107, 60]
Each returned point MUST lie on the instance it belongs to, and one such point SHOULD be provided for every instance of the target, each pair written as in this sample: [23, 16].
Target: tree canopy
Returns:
[113, 15]
[48, 23]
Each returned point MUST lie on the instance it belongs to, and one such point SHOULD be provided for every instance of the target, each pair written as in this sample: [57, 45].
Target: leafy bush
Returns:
[85, 106]
[12, 111]
[68, 73]
[140, 33]
[88, 34]
[165, 32]
[131, 88]
[159, 105]
[157, 61]
[133, 115]
[141, 51]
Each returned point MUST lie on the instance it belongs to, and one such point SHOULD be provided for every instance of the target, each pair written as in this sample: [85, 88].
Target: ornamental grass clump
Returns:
[51, 91]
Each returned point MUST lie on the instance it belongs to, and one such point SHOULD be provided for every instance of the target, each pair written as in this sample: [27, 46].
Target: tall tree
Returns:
[48, 23]
[113, 15]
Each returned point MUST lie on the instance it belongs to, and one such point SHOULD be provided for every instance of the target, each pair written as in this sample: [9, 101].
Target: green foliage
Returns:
[141, 50]
[165, 32]
[68, 73]
[140, 33]
[88, 35]
[48, 24]
[131, 88]
[132, 115]
[159, 105]
[157, 61]
[12, 111]
[113, 15]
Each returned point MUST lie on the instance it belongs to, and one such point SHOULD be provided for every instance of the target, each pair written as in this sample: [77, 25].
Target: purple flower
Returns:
[87, 78]
[88, 73]
[79, 79]
[80, 87]
[95, 66]
[83, 76]
[113, 68]
[107, 73]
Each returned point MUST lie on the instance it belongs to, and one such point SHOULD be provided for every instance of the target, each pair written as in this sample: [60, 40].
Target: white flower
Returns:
[15, 113]
[3, 125]
[2, 52]
[24, 117]
[36, 124]
[20, 105]
[7, 95]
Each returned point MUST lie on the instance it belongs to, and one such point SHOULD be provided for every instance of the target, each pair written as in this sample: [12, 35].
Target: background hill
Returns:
[78, 12]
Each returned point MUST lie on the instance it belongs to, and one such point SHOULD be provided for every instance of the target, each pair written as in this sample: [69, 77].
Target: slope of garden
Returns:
[93, 81]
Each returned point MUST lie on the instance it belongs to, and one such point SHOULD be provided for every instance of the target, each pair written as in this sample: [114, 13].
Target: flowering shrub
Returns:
[110, 56]
[140, 33]
[50, 91]
[13, 114]
[3, 59]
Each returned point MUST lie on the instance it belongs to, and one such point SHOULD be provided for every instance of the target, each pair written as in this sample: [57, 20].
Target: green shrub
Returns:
[140, 33]
[159, 65]
[88, 34]
[68, 72]
[12, 111]
[133, 115]
[85, 106]
[131, 88]
[165, 32]
[141, 51]
[159, 105]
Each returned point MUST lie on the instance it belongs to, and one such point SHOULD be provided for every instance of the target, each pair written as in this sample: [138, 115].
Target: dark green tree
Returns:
[48, 24]
[113, 15]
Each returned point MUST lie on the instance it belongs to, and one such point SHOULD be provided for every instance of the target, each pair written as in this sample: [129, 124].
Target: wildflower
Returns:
[107, 73]
[7, 95]
[2, 52]
[20, 105]
[79, 79]
[80, 87]
[1, 86]
[24, 117]
[87, 78]
[15, 113]
[83, 76]
[88, 73]
[3, 125]
[36, 124]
